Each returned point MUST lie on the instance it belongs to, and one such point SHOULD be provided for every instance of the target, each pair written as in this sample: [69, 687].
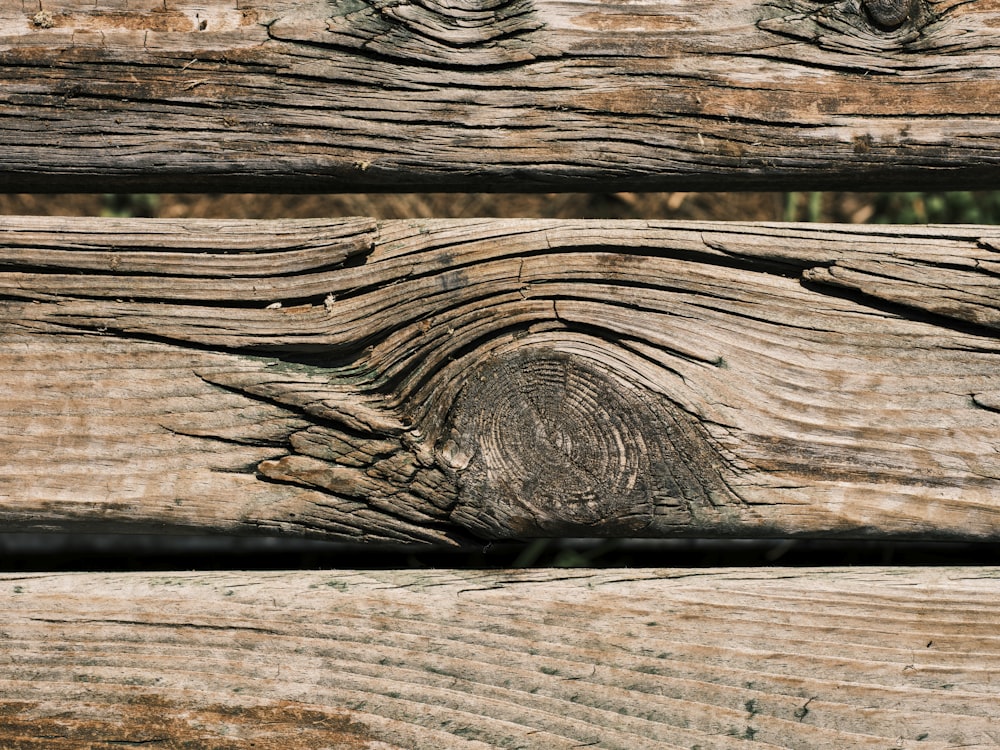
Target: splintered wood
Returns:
[456, 381]
[616, 659]
[322, 95]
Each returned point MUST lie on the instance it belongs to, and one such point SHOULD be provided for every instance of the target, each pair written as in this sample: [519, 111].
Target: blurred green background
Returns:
[855, 208]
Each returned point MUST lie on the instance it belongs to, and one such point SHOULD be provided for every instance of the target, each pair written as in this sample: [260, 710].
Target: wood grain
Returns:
[867, 658]
[285, 95]
[453, 381]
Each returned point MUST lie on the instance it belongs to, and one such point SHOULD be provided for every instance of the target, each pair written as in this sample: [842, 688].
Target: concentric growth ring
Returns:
[547, 443]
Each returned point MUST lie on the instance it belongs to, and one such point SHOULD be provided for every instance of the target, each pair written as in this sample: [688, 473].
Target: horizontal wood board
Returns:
[460, 381]
[629, 659]
[286, 95]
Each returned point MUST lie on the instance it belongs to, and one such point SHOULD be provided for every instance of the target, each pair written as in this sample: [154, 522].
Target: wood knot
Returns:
[467, 34]
[853, 30]
[889, 15]
[541, 443]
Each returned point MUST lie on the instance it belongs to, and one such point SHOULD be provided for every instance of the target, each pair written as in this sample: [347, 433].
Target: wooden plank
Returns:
[859, 658]
[514, 95]
[452, 381]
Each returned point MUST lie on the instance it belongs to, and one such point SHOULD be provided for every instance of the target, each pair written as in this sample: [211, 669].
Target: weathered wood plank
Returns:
[904, 658]
[446, 381]
[510, 94]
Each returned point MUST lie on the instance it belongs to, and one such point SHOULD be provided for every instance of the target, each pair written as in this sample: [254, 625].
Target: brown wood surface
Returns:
[131, 95]
[630, 659]
[449, 381]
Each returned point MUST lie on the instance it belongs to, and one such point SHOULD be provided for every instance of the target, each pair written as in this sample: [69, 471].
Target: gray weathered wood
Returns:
[505, 94]
[452, 380]
[630, 659]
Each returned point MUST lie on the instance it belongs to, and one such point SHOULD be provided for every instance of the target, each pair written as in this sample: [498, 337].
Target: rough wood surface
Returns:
[448, 381]
[498, 94]
[630, 659]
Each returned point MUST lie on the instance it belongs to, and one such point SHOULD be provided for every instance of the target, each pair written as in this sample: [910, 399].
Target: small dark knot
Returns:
[888, 15]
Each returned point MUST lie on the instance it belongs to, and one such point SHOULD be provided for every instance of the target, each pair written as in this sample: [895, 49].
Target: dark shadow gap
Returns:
[147, 552]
